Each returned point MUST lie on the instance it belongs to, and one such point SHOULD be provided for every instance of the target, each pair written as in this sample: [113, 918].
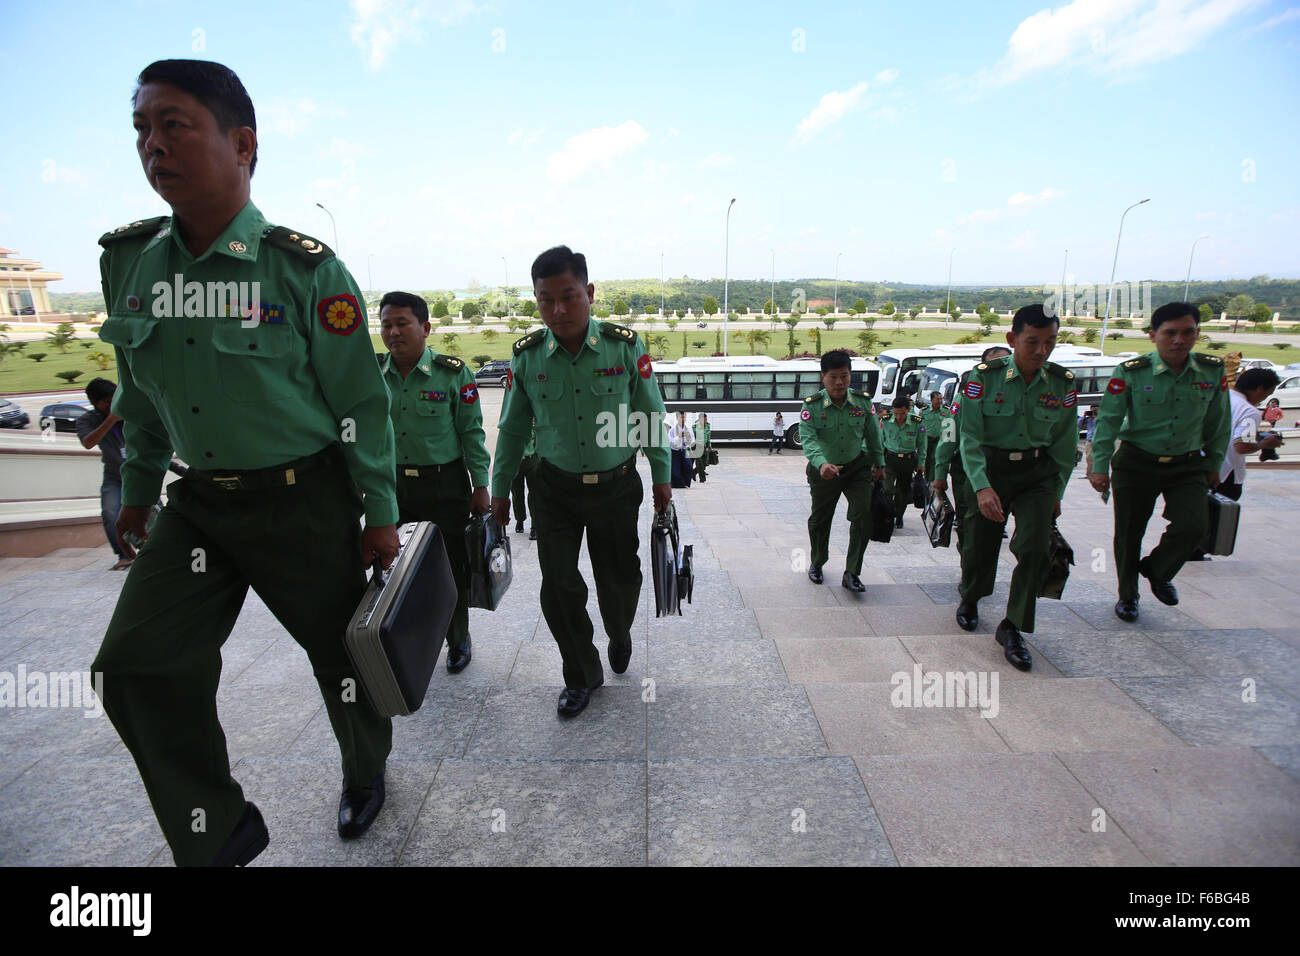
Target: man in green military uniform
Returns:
[1017, 433]
[703, 442]
[904, 439]
[841, 441]
[932, 420]
[243, 347]
[1170, 407]
[590, 386]
[947, 457]
[527, 475]
[438, 427]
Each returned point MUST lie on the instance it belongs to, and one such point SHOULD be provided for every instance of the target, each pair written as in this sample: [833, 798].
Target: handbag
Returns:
[1060, 558]
[882, 514]
[938, 518]
[490, 566]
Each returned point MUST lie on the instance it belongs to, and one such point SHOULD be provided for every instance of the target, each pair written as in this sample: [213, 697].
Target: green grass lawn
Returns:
[21, 374]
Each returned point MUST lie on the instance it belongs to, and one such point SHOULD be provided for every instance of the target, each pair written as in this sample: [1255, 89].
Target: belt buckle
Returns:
[411, 472]
[1165, 459]
[1015, 456]
[227, 482]
[591, 479]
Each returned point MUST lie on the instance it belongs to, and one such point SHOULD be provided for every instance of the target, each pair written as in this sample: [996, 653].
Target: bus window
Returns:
[855, 380]
[743, 388]
[889, 374]
[710, 386]
[668, 385]
[787, 386]
[810, 383]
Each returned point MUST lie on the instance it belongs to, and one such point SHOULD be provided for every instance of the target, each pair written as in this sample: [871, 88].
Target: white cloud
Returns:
[716, 159]
[595, 147]
[525, 137]
[1286, 16]
[379, 24]
[887, 76]
[832, 108]
[290, 115]
[1016, 204]
[1109, 36]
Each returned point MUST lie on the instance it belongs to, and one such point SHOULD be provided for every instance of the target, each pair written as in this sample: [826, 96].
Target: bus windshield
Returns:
[888, 373]
[937, 380]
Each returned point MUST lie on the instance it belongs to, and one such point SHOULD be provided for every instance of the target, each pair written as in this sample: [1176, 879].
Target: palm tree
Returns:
[758, 339]
[868, 341]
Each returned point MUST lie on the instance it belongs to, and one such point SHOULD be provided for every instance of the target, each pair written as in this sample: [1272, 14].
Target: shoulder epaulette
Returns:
[622, 333]
[1208, 359]
[140, 227]
[529, 340]
[313, 250]
[448, 361]
[1060, 372]
[1141, 361]
[810, 399]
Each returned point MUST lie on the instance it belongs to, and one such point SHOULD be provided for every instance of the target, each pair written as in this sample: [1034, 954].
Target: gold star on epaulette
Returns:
[983, 367]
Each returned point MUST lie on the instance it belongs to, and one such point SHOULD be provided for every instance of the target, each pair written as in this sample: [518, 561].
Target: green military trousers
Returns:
[518, 498]
[960, 486]
[931, 446]
[299, 548]
[563, 508]
[854, 483]
[1027, 489]
[898, 479]
[1136, 483]
[442, 496]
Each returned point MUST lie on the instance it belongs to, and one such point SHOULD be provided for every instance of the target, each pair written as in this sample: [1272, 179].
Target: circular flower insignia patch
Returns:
[339, 314]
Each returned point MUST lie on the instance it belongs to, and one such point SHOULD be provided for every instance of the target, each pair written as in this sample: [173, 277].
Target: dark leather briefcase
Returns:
[920, 489]
[674, 577]
[882, 514]
[490, 566]
[1224, 515]
[398, 630]
[1058, 566]
[938, 517]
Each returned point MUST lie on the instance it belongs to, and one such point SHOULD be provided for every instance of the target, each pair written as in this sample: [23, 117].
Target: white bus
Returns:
[742, 394]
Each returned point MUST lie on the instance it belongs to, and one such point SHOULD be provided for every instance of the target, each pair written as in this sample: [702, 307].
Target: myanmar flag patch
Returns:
[1116, 386]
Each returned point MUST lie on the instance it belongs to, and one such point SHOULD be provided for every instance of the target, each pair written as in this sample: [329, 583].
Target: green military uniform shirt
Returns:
[436, 414]
[703, 433]
[227, 392]
[947, 447]
[584, 405]
[933, 421]
[837, 434]
[999, 408]
[1163, 413]
[905, 438]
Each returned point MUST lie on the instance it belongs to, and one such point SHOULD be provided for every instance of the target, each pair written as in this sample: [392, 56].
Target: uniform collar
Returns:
[589, 341]
[241, 238]
[1013, 371]
[425, 364]
[848, 398]
[1158, 365]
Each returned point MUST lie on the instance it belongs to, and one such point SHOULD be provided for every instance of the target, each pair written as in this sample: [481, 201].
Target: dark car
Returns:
[493, 372]
[64, 415]
[12, 416]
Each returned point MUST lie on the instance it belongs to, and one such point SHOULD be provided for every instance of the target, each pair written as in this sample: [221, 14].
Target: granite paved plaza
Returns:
[767, 735]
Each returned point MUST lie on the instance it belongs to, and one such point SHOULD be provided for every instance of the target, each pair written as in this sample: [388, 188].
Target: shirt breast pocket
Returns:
[548, 391]
[139, 338]
[609, 392]
[999, 410]
[251, 362]
[428, 408]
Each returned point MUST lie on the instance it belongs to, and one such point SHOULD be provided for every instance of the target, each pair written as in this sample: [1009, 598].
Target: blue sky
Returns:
[446, 134]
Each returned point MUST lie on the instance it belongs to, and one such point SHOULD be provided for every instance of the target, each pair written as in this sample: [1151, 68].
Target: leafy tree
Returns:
[490, 334]
[620, 307]
[817, 340]
[758, 340]
[438, 309]
[860, 306]
[767, 307]
[792, 321]
[710, 305]
[36, 356]
[829, 321]
[971, 339]
[887, 309]
[449, 343]
[650, 310]
[475, 320]
[69, 377]
[823, 310]
[1207, 314]
[1123, 323]
[956, 312]
[529, 308]
[792, 343]
[1240, 305]
[717, 341]
[680, 313]
[61, 337]
[672, 324]
[1280, 346]
[1219, 346]
[1261, 313]
[660, 344]
[1113, 336]
[867, 341]
[742, 310]
[513, 325]
[470, 309]
[630, 319]
[1090, 335]
[698, 343]
[102, 359]
[602, 313]
[5, 349]
[447, 319]
[914, 311]
[683, 343]
[481, 360]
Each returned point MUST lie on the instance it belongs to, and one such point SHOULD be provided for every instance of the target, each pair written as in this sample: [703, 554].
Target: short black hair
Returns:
[1254, 378]
[212, 84]
[988, 352]
[1174, 310]
[1034, 315]
[836, 358]
[99, 388]
[406, 300]
[558, 260]
[901, 402]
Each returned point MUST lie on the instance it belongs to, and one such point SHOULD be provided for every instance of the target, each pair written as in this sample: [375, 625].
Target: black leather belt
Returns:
[1012, 454]
[594, 477]
[1146, 456]
[903, 454]
[258, 479]
[425, 471]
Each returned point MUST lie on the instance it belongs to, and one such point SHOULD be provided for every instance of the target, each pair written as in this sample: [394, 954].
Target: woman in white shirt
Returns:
[778, 434]
[680, 439]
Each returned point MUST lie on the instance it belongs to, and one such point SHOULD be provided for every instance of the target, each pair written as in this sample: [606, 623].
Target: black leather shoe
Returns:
[968, 615]
[358, 808]
[619, 656]
[1163, 590]
[573, 701]
[898, 522]
[519, 527]
[1127, 610]
[458, 658]
[532, 534]
[815, 574]
[1016, 652]
[249, 838]
[1200, 556]
[852, 582]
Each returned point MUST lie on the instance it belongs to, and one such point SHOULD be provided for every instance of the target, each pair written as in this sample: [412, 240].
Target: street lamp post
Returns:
[505, 289]
[661, 285]
[1063, 311]
[726, 275]
[947, 304]
[773, 287]
[370, 276]
[336, 229]
[1106, 318]
[1188, 284]
[835, 309]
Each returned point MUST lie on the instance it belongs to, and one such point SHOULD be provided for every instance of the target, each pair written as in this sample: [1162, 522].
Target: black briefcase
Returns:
[1058, 566]
[882, 514]
[491, 568]
[1224, 515]
[397, 632]
[919, 489]
[713, 456]
[938, 518]
[673, 575]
